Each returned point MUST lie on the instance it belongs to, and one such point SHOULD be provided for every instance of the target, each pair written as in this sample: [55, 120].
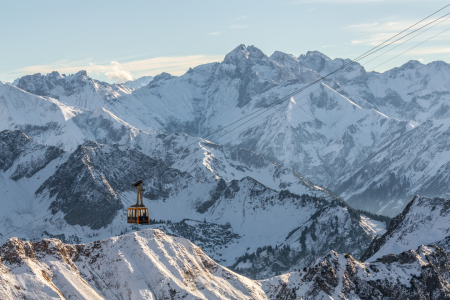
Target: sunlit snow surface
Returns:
[143, 265]
[151, 265]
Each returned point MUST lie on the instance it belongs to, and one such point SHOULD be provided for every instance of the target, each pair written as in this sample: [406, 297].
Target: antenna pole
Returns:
[138, 193]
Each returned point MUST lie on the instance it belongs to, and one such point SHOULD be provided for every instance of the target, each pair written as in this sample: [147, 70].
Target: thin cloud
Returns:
[380, 27]
[435, 50]
[214, 33]
[120, 72]
[374, 39]
[390, 29]
[361, 25]
[242, 18]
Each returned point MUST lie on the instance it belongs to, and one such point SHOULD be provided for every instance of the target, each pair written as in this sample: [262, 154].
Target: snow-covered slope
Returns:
[334, 226]
[83, 195]
[138, 83]
[151, 265]
[326, 133]
[416, 163]
[143, 265]
[76, 90]
[346, 134]
[423, 221]
[413, 274]
[52, 122]
[413, 91]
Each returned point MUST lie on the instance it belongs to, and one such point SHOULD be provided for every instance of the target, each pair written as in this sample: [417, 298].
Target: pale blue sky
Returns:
[115, 40]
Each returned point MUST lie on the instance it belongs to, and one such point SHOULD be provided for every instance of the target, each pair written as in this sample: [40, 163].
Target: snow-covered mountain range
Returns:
[83, 195]
[263, 199]
[333, 133]
[151, 265]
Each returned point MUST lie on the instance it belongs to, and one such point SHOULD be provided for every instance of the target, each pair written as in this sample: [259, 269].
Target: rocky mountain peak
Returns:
[52, 83]
[315, 53]
[314, 60]
[412, 64]
[162, 76]
[151, 265]
[420, 273]
[287, 60]
[241, 56]
[240, 52]
[81, 73]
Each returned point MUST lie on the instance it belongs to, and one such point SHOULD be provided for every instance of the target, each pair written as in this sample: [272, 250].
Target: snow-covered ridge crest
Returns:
[423, 221]
[151, 265]
[142, 265]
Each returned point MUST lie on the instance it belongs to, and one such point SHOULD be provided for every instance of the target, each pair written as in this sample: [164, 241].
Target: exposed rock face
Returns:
[359, 136]
[66, 88]
[43, 85]
[420, 274]
[27, 158]
[424, 220]
[413, 91]
[85, 187]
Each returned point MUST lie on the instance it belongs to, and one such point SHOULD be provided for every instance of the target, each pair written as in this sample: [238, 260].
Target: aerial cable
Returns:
[370, 52]
[362, 56]
[407, 40]
[300, 106]
[269, 106]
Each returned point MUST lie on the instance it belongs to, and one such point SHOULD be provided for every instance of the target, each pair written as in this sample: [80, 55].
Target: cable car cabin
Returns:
[138, 214]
